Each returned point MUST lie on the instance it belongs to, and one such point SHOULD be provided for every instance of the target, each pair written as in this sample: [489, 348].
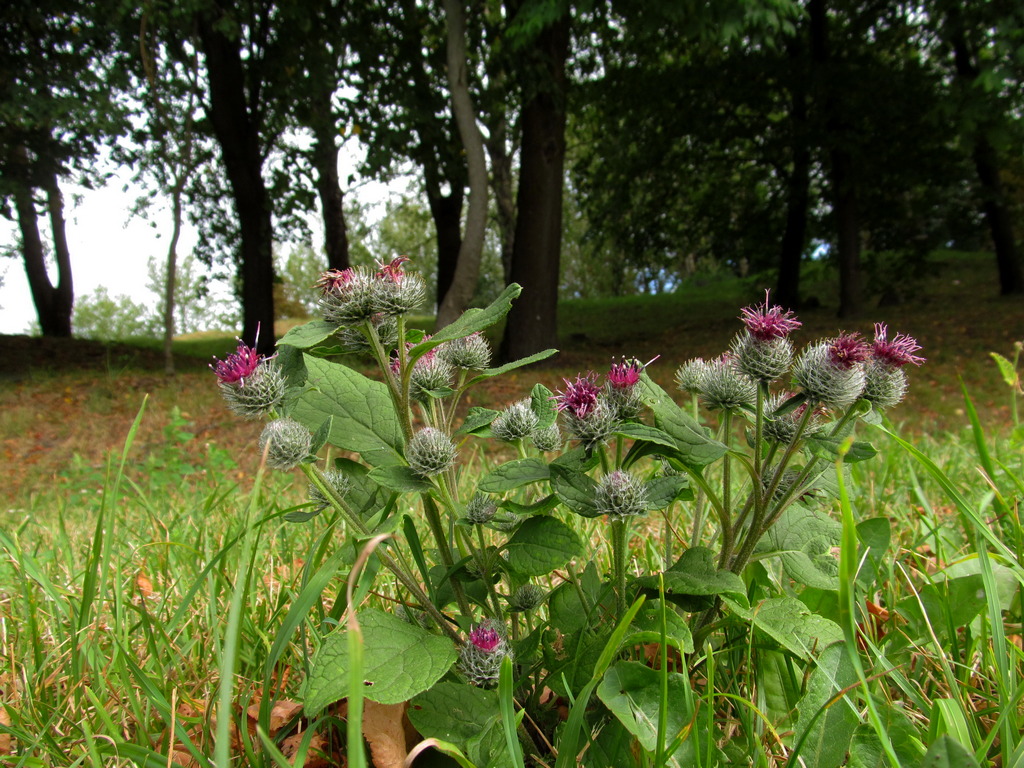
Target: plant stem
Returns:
[437, 529]
[619, 564]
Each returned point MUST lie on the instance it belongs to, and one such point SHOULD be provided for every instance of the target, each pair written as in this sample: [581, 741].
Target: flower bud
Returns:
[548, 439]
[620, 494]
[287, 443]
[347, 297]
[480, 509]
[394, 296]
[884, 385]
[723, 387]
[429, 374]
[252, 384]
[526, 598]
[831, 373]
[337, 481]
[690, 374]
[595, 426]
[472, 352]
[762, 359]
[353, 339]
[782, 427]
[430, 452]
[515, 422]
[480, 658]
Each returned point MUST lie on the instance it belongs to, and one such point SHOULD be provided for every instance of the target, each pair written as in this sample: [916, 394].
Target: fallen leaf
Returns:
[5, 738]
[384, 727]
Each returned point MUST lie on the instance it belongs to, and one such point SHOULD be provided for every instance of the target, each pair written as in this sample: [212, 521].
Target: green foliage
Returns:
[101, 316]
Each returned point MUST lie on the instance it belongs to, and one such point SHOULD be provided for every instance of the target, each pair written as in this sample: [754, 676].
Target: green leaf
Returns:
[568, 614]
[792, 625]
[364, 496]
[541, 507]
[321, 435]
[693, 579]
[662, 491]
[576, 490]
[364, 417]
[1006, 370]
[947, 752]
[694, 447]
[471, 321]
[825, 727]
[805, 540]
[875, 535]
[308, 335]
[646, 628]
[542, 403]
[536, 357]
[514, 474]
[400, 478]
[632, 691]
[866, 750]
[477, 421]
[828, 448]
[542, 544]
[578, 459]
[400, 660]
[465, 716]
[646, 433]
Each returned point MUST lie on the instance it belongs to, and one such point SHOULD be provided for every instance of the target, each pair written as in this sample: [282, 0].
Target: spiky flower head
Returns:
[429, 374]
[396, 292]
[526, 598]
[831, 372]
[548, 439]
[430, 452]
[723, 386]
[506, 521]
[896, 353]
[515, 422]
[252, 384]
[579, 397]
[472, 352]
[336, 481]
[620, 387]
[595, 426]
[480, 658]
[885, 385]
[625, 374]
[690, 374]
[781, 427]
[767, 323]
[346, 297]
[763, 360]
[621, 494]
[287, 443]
[480, 509]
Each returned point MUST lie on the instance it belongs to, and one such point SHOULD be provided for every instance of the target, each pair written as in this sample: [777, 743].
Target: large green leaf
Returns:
[866, 750]
[578, 491]
[826, 726]
[364, 417]
[805, 539]
[400, 478]
[514, 474]
[632, 691]
[568, 613]
[662, 491]
[465, 716]
[792, 625]
[542, 403]
[542, 544]
[536, 357]
[308, 335]
[400, 660]
[646, 627]
[693, 579]
[694, 447]
[947, 752]
[471, 321]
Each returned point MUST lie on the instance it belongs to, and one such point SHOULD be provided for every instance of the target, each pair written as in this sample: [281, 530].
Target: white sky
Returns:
[111, 248]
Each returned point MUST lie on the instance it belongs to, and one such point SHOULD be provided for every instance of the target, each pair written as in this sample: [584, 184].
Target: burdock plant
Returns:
[489, 568]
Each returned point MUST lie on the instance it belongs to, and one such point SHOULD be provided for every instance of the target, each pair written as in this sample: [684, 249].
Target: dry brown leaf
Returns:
[5, 738]
[282, 713]
[385, 730]
[316, 756]
[144, 585]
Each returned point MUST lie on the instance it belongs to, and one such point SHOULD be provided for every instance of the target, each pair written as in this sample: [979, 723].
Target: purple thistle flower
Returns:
[848, 349]
[896, 353]
[334, 280]
[485, 638]
[625, 375]
[238, 366]
[766, 323]
[393, 270]
[579, 397]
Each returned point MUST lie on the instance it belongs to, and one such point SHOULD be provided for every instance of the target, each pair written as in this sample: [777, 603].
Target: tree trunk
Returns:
[504, 197]
[467, 269]
[997, 213]
[236, 125]
[794, 238]
[842, 179]
[532, 324]
[446, 211]
[53, 303]
[328, 187]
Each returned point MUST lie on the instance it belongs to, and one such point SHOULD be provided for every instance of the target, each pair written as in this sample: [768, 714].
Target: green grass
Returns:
[155, 606]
